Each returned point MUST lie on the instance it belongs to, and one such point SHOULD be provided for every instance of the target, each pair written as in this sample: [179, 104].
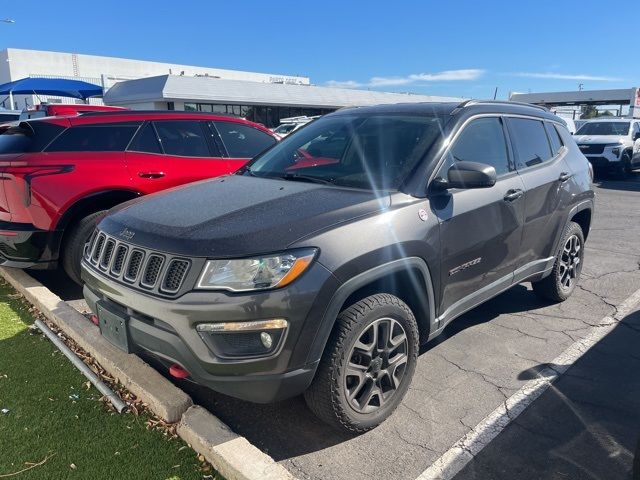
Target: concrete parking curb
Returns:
[232, 455]
[163, 398]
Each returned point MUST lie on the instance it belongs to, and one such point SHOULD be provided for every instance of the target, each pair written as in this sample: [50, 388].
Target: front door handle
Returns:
[513, 194]
[151, 174]
[564, 176]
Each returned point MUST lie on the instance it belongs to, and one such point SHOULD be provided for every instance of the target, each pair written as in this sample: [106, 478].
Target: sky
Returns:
[457, 48]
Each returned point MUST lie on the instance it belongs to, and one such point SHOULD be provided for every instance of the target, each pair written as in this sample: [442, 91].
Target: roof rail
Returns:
[94, 113]
[468, 103]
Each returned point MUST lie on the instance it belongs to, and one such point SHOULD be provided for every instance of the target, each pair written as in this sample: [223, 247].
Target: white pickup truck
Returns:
[611, 144]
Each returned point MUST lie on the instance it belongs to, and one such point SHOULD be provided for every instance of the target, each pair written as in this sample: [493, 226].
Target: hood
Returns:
[237, 215]
[598, 139]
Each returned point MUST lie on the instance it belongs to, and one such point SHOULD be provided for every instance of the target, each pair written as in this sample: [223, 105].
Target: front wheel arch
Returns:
[349, 290]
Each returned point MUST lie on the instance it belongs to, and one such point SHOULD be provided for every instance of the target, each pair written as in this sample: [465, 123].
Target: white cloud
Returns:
[445, 76]
[563, 76]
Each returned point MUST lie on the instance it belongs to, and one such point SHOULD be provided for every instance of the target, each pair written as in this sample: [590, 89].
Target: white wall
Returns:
[24, 63]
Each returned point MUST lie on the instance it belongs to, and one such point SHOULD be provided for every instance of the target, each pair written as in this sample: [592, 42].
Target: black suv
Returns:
[322, 265]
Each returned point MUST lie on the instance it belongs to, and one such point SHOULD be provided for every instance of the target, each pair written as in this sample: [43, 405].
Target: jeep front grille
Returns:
[141, 268]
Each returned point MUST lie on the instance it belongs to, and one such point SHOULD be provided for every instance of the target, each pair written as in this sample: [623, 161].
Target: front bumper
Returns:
[610, 157]
[24, 246]
[166, 329]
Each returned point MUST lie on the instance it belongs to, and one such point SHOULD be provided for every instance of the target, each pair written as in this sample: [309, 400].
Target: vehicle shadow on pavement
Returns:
[586, 425]
[629, 185]
[517, 299]
[288, 429]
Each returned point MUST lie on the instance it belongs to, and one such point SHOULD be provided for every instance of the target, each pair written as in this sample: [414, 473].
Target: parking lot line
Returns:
[471, 444]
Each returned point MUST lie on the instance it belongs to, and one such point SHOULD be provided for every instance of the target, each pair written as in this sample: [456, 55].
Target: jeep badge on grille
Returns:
[127, 234]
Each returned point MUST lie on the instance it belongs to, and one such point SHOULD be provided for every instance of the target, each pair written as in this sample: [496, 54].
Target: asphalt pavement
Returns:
[585, 426]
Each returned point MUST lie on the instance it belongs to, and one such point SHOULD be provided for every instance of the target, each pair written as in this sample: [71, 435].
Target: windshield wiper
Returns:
[304, 178]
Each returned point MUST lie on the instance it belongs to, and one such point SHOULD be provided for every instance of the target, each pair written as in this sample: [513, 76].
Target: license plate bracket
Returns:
[113, 327]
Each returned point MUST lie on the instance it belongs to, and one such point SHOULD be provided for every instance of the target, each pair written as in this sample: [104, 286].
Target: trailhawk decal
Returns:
[464, 266]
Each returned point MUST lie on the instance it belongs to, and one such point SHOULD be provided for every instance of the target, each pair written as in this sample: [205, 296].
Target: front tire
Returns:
[623, 170]
[367, 365]
[559, 285]
[75, 240]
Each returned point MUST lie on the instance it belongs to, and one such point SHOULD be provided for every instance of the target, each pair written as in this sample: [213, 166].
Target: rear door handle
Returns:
[513, 194]
[564, 176]
[151, 174]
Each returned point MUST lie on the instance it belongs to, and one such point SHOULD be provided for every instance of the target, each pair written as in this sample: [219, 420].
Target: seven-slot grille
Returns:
[138, 267]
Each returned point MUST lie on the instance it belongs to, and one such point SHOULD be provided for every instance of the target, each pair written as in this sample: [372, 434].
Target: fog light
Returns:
[266, 339]
[255, 338]
[616, 151]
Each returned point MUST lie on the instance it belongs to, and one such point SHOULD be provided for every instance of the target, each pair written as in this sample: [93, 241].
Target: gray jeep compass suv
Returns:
[323, 265]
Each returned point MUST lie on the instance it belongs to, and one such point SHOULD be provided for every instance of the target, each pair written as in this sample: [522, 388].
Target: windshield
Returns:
[604, 128]
[363, 151]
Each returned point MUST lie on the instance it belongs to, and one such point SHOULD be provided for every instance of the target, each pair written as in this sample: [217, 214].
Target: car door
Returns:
[167, 153]
[242, 142]
[540, 162]
[480, 228]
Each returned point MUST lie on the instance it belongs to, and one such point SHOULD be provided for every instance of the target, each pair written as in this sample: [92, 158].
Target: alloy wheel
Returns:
[570, 259]
[376, 365]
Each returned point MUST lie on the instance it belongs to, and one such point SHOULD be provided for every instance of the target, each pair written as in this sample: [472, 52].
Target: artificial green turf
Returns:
[38, 385]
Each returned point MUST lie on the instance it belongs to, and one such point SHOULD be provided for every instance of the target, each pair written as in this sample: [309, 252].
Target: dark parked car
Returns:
[322, 265]
[61, 173]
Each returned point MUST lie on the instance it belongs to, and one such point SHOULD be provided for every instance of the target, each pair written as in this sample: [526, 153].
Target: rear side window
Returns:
[28, 137]
[110, 137]
[183, 138]
[243, 141]
[482, 141]
[530, 141]
[145, 140]
[554, 137]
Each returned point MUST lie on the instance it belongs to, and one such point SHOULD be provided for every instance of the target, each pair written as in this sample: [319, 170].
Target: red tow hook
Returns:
[94, 320]
[177, 371]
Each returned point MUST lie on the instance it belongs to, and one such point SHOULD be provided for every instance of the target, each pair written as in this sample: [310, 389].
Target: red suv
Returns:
[59, 174]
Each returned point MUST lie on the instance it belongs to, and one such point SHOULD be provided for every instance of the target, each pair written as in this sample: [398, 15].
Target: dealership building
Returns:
[262, 97]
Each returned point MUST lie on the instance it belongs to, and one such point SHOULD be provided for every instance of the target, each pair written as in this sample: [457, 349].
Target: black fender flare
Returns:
[580, 206]
[345, 290]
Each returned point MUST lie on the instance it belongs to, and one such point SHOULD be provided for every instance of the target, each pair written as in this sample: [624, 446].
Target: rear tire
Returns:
[367, 364]
[559, 285]
[73, 247]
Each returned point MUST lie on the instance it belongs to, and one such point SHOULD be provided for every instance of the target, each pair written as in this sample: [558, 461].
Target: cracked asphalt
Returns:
[481, 359]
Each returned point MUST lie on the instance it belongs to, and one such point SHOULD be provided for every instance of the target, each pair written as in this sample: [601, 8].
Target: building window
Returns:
[191, 107]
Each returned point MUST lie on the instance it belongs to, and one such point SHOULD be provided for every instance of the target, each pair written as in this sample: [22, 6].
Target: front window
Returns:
[604, 128]
[374, 152]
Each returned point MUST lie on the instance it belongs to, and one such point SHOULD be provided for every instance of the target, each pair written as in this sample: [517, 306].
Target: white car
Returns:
[611, 144]
[289, 125]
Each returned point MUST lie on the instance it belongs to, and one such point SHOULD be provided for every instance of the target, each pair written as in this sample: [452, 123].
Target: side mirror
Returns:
[471, 175]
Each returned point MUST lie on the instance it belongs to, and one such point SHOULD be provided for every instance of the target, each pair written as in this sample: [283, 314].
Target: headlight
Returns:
[257, 273]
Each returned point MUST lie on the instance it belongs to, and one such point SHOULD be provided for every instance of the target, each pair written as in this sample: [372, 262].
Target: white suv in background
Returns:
[289, 125]
[611, 144]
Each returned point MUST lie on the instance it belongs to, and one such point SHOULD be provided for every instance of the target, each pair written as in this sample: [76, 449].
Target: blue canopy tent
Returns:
[51, 86]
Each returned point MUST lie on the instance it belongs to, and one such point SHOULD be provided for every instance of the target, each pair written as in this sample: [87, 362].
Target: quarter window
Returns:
[554, 137]
[482, 141]
[243, 141]
[145, 140]
[109, 137]
[531, 142]
[183, 138]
